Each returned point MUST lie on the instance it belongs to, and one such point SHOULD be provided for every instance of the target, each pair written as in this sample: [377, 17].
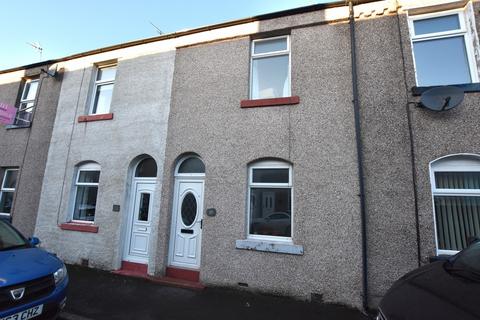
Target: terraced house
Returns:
[287, 152]
[30, 93]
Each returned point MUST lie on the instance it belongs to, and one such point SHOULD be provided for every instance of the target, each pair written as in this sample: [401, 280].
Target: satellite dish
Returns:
[442, 98]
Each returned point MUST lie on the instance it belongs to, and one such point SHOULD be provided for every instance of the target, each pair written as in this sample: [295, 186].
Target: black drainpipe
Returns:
[358, 139]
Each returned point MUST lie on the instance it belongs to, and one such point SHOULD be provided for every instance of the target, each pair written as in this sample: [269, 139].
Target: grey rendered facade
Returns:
[179, 96]
[26, 148]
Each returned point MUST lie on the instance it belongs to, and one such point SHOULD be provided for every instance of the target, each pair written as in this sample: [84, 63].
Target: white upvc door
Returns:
[140, 219]
[186, 238]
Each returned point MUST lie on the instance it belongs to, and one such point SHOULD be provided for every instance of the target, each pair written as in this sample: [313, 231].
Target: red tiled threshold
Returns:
[270, 102]
[80, 227]
[95, 117]
[138, 270]
[184, 274]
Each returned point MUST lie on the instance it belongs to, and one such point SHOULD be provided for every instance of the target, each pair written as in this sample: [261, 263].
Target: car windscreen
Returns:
[469, 259]
[9, 238]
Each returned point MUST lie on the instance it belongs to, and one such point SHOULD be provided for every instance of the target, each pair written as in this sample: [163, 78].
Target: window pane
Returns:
[30, 90]
[192, 165]
[6, 202]
[9, 237]
[106, 74]
[457, 180]
[89, 176]
[103, 98]
[270, 46]
[270, 212]
[10, 179]
[438, 24]
[270, 77]
[24, 114]
[146, 168]
[144, 206]
[441, 61]
[457, 219]
[270, 175]
[85, 203]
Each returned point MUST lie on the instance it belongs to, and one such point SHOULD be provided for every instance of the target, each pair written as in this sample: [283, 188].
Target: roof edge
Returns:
[266, 16]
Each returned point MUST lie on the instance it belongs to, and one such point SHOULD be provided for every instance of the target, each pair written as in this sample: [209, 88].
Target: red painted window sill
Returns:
[95, 117]
[270, 102]
[80, 227]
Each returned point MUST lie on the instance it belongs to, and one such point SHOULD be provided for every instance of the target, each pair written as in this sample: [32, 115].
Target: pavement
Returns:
[96, 295]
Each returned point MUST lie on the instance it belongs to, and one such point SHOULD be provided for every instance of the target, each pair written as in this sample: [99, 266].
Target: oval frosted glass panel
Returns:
[267, 46]
[189, 209]
[192, 165]
[441, 61]
[270, 175]
[146, 168]
[270, 77]
[457, 180]
[438, 24]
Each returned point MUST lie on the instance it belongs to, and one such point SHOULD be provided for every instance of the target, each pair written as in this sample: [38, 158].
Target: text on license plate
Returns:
[26, 314]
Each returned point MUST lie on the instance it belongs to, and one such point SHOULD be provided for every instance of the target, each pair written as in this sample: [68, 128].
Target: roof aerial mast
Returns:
[38, 47]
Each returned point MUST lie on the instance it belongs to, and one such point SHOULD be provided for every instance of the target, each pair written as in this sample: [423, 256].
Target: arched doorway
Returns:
[187, 213]
[139, 227]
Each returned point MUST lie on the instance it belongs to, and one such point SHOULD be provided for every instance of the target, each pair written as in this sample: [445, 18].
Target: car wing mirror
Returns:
[34, 241]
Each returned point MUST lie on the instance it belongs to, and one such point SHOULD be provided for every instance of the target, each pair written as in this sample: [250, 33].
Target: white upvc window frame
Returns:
[289, 185]
[463, 31]
[99, 83]
[254, 56]
[24, 101]
[83, 168]
[3, 189]
[451, 165]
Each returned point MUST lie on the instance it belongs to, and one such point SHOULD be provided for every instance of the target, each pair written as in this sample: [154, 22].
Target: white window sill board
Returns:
[269, 246]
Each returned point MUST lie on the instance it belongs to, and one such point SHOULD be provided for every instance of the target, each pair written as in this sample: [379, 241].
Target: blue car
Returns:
[33, 282]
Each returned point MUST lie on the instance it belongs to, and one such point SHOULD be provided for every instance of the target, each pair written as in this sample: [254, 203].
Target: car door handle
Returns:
[142, 229]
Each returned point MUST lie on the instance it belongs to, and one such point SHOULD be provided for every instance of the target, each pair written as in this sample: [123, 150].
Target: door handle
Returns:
[201, 224]
[142, 229]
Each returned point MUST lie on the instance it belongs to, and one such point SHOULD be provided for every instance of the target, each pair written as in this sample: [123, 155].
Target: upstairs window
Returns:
[270, 205]
[456, 201]
[27, 103]
[7, 191]
[443, 48]
[270, 68]
[103, 89]
[86, 188]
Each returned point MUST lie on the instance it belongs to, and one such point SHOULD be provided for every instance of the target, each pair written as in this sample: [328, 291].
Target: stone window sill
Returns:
[270, 102]
[95, 117]
[269, 246]
[80, 227]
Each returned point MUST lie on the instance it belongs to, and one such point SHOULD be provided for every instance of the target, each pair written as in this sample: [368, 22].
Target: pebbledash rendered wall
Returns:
[27, 148]
[317, 136]
[209, 76]
[140, 106]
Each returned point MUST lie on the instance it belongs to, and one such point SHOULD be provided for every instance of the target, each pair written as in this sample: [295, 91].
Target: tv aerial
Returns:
[443, 98]
[37, 46]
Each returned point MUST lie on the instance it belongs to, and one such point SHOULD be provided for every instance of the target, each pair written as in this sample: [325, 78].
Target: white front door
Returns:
[185, 243]
[140, 219]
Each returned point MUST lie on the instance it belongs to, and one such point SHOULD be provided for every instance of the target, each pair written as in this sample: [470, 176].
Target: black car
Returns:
[441, 290]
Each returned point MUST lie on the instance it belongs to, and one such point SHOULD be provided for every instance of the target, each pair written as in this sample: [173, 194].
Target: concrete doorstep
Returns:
[98, 295]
